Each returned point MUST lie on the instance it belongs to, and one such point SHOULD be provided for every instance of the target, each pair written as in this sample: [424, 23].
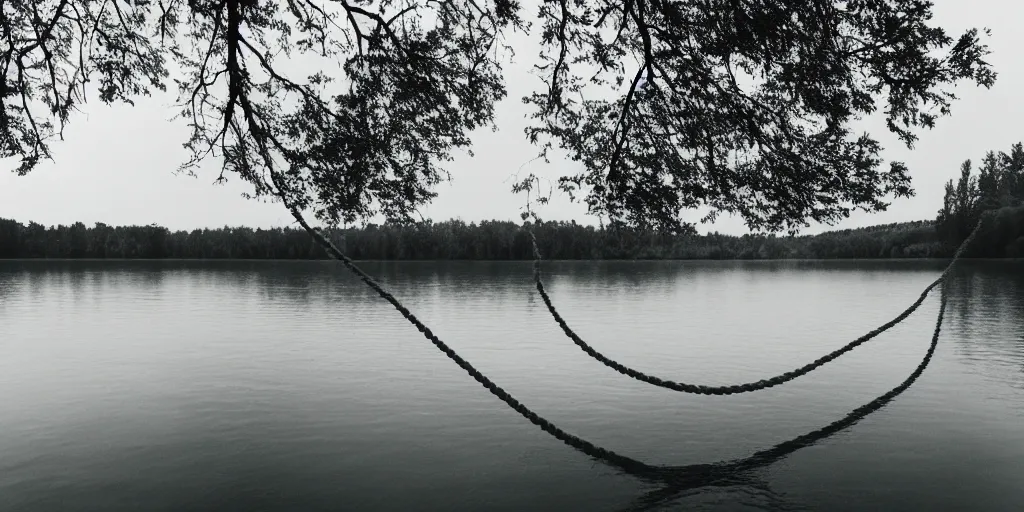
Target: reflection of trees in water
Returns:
[9, 282]
[302, 282]
[630, 275]
[415, 281]
[988, 300]
[79, 280]
[327, 281]
[306, 282]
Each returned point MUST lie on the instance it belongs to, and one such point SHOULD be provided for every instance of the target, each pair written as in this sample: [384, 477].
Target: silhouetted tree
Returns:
[1012, 182]
[960, 206]
[990, 177]
[742, 107]
[997, 187]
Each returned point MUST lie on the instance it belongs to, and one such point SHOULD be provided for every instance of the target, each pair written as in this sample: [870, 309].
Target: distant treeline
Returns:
[999, 186]
[495, 240]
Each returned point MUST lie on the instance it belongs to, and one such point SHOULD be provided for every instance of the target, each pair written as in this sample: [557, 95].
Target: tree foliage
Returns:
[746, 105]
[999, 185]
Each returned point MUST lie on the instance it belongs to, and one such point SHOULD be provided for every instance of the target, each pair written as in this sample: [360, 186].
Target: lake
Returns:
[237, 385]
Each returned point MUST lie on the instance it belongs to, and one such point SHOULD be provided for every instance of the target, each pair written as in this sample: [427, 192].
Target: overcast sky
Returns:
[116, 164]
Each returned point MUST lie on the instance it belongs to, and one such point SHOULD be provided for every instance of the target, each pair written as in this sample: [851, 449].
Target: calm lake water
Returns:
[291, 386]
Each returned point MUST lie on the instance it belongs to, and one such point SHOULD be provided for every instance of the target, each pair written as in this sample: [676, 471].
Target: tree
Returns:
[945, 222]
[741, 107]
[990, 176]
[1013, 177]
[996, 188]
[967, 200]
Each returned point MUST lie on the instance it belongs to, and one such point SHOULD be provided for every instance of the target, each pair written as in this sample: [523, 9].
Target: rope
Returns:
[588, 448]
[683, 478]
[736, 388]
[778, 451]
[623, 462]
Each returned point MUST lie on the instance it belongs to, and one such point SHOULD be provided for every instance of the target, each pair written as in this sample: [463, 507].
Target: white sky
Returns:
[116, 164]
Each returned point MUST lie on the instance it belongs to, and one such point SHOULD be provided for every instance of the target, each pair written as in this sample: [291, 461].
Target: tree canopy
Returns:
[999, 185]
[740, 106]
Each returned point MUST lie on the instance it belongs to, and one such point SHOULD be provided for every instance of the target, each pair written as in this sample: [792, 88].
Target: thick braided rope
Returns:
[682, 478]
[588, 448]
[861, 412]
[628, 464]
[736, 388]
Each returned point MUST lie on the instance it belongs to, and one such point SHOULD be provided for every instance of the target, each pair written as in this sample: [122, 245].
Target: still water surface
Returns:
[290, 386]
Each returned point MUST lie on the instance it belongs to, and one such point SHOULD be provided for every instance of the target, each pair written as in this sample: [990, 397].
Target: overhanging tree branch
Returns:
[749, 108]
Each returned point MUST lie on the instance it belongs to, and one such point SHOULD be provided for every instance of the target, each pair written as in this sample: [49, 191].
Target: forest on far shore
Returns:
[998, 187]
[500, 240]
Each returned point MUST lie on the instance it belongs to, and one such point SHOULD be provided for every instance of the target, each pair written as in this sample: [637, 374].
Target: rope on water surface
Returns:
[736, 388]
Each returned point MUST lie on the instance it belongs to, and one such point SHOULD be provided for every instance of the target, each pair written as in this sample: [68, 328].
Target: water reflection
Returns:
[265, 394]
[989, 319]
[8, 281]
[300, 282]
[681, 481]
